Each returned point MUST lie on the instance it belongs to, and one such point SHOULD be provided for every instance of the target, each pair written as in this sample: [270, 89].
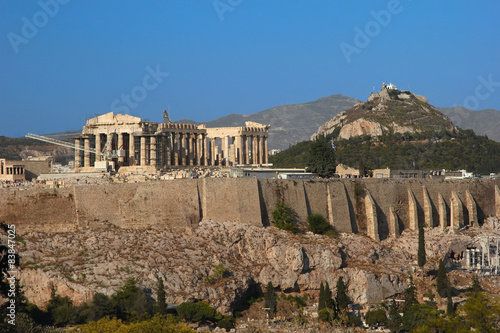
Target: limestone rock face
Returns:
[81, 263]
[361, 127]
[86, 261]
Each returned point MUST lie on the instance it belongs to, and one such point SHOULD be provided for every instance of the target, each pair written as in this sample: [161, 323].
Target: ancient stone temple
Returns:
[119, 141]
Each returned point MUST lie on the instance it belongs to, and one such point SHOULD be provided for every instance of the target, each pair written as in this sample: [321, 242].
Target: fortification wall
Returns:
[183, 203]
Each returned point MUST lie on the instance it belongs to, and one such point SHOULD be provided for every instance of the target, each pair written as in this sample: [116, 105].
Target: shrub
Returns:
[378, 316]
[284, 218]
[196, 312]
[326, 314]
[220, 273]
[227, 322]
[318, 224]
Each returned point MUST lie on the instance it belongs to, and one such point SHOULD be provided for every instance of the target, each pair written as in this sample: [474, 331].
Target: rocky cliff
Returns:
[389, 111]
[91, 238]
[89, 260]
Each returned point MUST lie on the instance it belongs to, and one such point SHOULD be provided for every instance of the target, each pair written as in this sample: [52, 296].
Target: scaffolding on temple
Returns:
[483, 256]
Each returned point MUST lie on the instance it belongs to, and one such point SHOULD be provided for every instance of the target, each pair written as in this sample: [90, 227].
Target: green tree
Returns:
[394, 320]
[60, 309]
[131, 302]
[421, 257]
[196, 312]
[378, 316]
[102, 306]
[321, 301]
[442, 283]
[325, 297]
[270, 301]
[475, 285]
[410, 296]
[227, 323]
[326, 315]
[342, 299]
[321, 158]
[419, 315]
[284, 218]
[450, 309]
[161, 297]
[318, 224]
[481, 313]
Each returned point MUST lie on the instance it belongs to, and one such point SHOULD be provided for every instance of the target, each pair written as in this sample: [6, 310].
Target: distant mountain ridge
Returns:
[293, 123]
[483, 122]
[290, 123]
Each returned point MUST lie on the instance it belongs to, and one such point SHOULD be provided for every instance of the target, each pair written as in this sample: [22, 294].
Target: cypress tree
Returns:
[328, 297]
[270, 299]
[395, 321]
[410, 296]
[342, 298]
[421, 257]
[450, 309]
[475, 286]
[321, 301]
[161, 297]
[442, 283]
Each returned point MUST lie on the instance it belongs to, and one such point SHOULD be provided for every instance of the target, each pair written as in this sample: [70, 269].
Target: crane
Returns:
[101, 165]
[62, 143]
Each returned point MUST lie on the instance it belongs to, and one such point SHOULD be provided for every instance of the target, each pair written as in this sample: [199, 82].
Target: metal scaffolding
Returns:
[484, 255]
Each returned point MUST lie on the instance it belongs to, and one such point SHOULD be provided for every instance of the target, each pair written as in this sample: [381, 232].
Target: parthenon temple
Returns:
[128, 141]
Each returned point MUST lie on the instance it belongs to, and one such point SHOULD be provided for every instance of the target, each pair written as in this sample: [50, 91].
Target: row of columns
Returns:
[174, 149]
[15, 170]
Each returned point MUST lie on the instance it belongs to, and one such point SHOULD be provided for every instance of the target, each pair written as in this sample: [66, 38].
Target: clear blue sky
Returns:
[62, 61]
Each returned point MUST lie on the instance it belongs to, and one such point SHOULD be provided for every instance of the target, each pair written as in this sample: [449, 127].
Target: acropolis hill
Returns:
[87, 237]
[81, 237]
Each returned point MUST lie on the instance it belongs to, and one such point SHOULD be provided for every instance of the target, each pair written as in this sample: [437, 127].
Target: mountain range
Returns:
[293, 123]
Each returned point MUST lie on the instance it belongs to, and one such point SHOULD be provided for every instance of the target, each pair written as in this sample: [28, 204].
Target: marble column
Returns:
[204, 139]
[168, 150]
[258, 155]
[143, 150]
[243, 152]
[121, 158]
[254, 150]
[131, 149]
[266, 154]
[152, 149]
[109, 138]
[175, 151]
[212, 151]
[98, 157]
[247, 142]
[86, 159]
[238, 155]
[191, 148]
[78, 161]
[182, 150]
[199, 139]
[233, 150]
[226, 150]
